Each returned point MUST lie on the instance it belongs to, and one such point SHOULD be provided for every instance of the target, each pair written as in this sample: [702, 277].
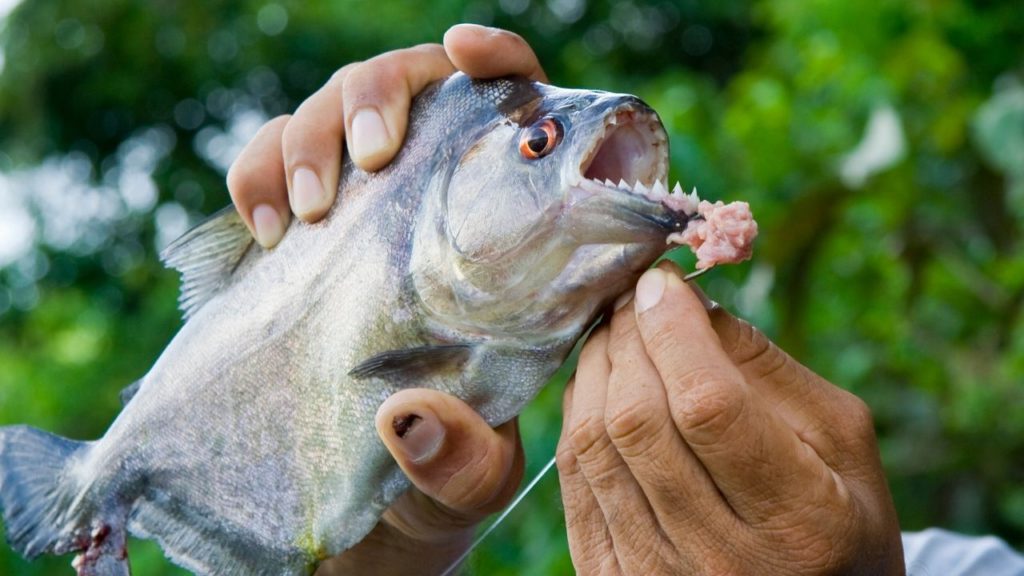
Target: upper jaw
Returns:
[626, 166]
[630, 146]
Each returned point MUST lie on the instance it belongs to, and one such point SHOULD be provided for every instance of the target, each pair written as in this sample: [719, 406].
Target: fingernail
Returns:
[268, 225]
[369, 135]
[420, 435]
[649, 290]
[307, 193]
[709, 304]
[622, 300]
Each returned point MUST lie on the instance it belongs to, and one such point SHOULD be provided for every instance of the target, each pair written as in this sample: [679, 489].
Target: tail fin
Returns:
[33, 494]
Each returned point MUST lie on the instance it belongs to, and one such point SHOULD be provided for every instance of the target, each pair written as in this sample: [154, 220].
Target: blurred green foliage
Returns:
[890, 259]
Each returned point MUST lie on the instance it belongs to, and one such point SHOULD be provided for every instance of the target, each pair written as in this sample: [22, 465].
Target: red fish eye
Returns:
[540, 139]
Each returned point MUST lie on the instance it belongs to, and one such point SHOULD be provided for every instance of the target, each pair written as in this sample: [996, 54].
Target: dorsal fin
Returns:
[206, 256]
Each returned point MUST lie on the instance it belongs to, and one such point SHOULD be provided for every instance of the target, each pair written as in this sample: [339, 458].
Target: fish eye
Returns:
[539, 140]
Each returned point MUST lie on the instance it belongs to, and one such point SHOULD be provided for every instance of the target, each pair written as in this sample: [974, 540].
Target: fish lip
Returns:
[637, 183]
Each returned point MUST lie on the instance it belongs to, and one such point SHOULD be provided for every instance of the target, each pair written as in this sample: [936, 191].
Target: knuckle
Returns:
[750, 347]
[374, 79]
[747, 342]
[338, 78]
[589, 439]
[474, 482]
[426, 49]
[597, 457]
[565, 460]
[244, 175]
[391, 65]
[769, 361]
[630, 427]
[857, 415]
[709, 408]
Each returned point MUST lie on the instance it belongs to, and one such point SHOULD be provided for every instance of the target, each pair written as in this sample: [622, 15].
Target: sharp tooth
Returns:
[693, 195]
[659, 189]
[609, 183]
[677, 190]
[640, 188]
[624, 186]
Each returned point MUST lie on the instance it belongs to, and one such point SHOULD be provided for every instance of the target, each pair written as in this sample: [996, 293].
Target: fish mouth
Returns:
[632, 150]
[627, 166]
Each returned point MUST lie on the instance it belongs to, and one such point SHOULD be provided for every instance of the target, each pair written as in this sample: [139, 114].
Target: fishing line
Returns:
[451, 569]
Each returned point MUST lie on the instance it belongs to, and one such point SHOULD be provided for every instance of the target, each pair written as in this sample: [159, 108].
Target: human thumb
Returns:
[466, 468]
[746, 346]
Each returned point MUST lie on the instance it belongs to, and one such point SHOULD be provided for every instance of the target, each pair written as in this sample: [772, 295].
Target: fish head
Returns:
[552, 207]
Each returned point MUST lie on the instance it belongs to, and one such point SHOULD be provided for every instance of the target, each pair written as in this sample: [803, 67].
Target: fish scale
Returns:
[464, 266]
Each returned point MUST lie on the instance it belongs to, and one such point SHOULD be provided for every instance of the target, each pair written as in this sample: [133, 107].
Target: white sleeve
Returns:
[937, 552]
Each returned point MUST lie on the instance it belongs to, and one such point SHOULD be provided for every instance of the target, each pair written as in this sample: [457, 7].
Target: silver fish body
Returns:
[470, 265]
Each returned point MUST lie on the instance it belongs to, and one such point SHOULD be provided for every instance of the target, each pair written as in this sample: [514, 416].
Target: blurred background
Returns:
[881, 145]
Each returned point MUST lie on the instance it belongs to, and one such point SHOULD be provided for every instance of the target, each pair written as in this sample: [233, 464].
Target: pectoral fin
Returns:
[206, 256]
[413, 363]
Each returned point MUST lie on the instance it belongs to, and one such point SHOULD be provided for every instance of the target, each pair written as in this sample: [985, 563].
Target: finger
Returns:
[590, 544]
[746, 448]
[463, 467]
[312, 149]
[625, 508]
[682, 495]
[257, 185]
[822, 415]
[376, 96]
[483, 52]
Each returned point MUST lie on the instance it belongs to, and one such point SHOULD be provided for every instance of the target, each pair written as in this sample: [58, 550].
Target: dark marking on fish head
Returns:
[522, 102]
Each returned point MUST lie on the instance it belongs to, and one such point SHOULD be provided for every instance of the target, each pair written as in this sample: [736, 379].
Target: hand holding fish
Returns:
[692, 444]
[293, 162]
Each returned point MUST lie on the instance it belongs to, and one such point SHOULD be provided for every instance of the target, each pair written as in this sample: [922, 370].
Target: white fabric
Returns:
[937, 552]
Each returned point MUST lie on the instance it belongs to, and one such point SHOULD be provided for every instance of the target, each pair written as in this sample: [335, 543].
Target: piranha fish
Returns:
[514, 213]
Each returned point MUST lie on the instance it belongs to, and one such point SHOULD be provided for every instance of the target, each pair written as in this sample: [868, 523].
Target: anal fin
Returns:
[202, 543]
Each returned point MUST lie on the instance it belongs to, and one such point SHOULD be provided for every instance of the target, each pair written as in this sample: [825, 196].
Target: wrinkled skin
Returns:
[861, 538]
